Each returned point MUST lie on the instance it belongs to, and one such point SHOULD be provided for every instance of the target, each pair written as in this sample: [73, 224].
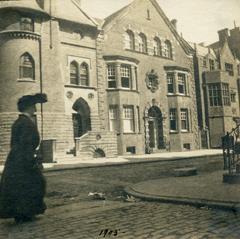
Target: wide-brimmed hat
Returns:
[29, 100]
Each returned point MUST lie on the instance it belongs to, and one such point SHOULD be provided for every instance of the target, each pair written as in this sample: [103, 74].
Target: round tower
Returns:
[20, 28]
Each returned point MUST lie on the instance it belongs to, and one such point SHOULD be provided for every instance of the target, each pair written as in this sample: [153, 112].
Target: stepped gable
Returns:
[26, 5]
[186, 47]
[74, 12]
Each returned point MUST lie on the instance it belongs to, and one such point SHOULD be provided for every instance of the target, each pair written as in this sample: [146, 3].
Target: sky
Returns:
[198, 20]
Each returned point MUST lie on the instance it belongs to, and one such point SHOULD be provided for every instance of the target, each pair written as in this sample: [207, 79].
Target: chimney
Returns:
[174, 23]
[223, 35]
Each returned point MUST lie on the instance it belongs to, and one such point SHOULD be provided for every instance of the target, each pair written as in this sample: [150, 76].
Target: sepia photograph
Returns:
[119, 119]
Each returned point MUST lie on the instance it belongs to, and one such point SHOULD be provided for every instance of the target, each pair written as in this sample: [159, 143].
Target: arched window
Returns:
[168, 49]
[74, 73]
[26, 24]
[157, 47]
[130, 40]
[26, 67]
[84, 74]
[142, 43]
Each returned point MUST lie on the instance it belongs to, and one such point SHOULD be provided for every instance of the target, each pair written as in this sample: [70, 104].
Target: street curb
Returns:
[82, 165]
[113, 164]
[235, 207]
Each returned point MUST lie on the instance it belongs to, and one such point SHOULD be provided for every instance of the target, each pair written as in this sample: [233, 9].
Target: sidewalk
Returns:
[127, 159]
[206, 189]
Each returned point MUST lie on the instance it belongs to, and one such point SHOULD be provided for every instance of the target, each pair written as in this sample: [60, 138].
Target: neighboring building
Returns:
[45, 48]
[149, 80]
[216, 77]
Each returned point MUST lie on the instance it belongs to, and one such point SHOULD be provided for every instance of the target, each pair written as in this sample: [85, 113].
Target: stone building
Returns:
[217, 75]
[44, 48]
[149, 79]
[123, 86]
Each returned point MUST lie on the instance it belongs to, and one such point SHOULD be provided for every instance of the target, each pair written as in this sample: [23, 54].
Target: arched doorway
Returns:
[81, 119]
[154, 129]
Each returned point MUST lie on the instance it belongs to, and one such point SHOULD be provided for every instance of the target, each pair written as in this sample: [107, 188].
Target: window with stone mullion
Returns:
[125, 72]
[182, 84]
[111, 74]
[128, 119]
[170, 82]
[173, 119]
[184, 120]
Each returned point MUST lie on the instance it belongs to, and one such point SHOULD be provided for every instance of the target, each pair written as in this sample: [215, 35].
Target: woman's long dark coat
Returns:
[22, 186]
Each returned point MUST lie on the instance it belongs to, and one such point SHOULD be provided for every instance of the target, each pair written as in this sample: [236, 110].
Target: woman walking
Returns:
[22, 186]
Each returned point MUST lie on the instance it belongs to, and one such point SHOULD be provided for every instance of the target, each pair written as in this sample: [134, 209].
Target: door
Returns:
[77, 125]
[153, 133]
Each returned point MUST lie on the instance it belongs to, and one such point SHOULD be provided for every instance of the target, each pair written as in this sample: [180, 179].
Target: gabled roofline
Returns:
[186, 47]
[85, 14]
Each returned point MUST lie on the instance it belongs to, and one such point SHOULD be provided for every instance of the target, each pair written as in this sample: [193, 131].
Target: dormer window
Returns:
[157, 47]
[26, 24]
[130, 40]
[168, 49]
[142, 43]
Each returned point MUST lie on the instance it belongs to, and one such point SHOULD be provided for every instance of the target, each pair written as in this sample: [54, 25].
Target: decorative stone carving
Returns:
[152, 80]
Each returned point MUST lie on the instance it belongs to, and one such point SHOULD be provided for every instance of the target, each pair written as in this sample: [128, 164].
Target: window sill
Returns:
[173, 132]
[144, 53]
[185, 131]
[163, 57]
[26, 80]
[122, 89]
[81, 87]
[178, 95]
[129, 133]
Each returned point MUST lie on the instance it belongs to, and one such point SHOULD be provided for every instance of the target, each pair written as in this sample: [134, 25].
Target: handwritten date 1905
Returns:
[109, 233]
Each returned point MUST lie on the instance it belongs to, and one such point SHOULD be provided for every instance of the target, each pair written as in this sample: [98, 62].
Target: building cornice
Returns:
[20, 35]
[118, 57]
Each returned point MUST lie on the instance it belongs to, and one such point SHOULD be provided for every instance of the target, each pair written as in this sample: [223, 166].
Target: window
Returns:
[233, 97]
[142, 43]
[26, 67]
[229, 69]
[214, 92]
[211, 65]
[26, 24]
[225, 94]
[111, 74]
[128, 119]
[125, 71]
[182, 84]
[130, 40]
[113, 117]
[173, 119]
[170, 82]
[139, 120]
[84, 78]
[184, 120]
[204, 62]
[157, 47]
[168, 49]
[131, 149]
[74, 73]
[238, 69]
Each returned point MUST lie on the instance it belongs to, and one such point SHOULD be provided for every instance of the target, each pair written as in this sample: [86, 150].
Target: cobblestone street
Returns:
[72, 214]
[134, 220]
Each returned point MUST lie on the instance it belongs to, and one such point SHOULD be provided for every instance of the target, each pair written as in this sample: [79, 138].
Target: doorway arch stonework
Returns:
[82, 117]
